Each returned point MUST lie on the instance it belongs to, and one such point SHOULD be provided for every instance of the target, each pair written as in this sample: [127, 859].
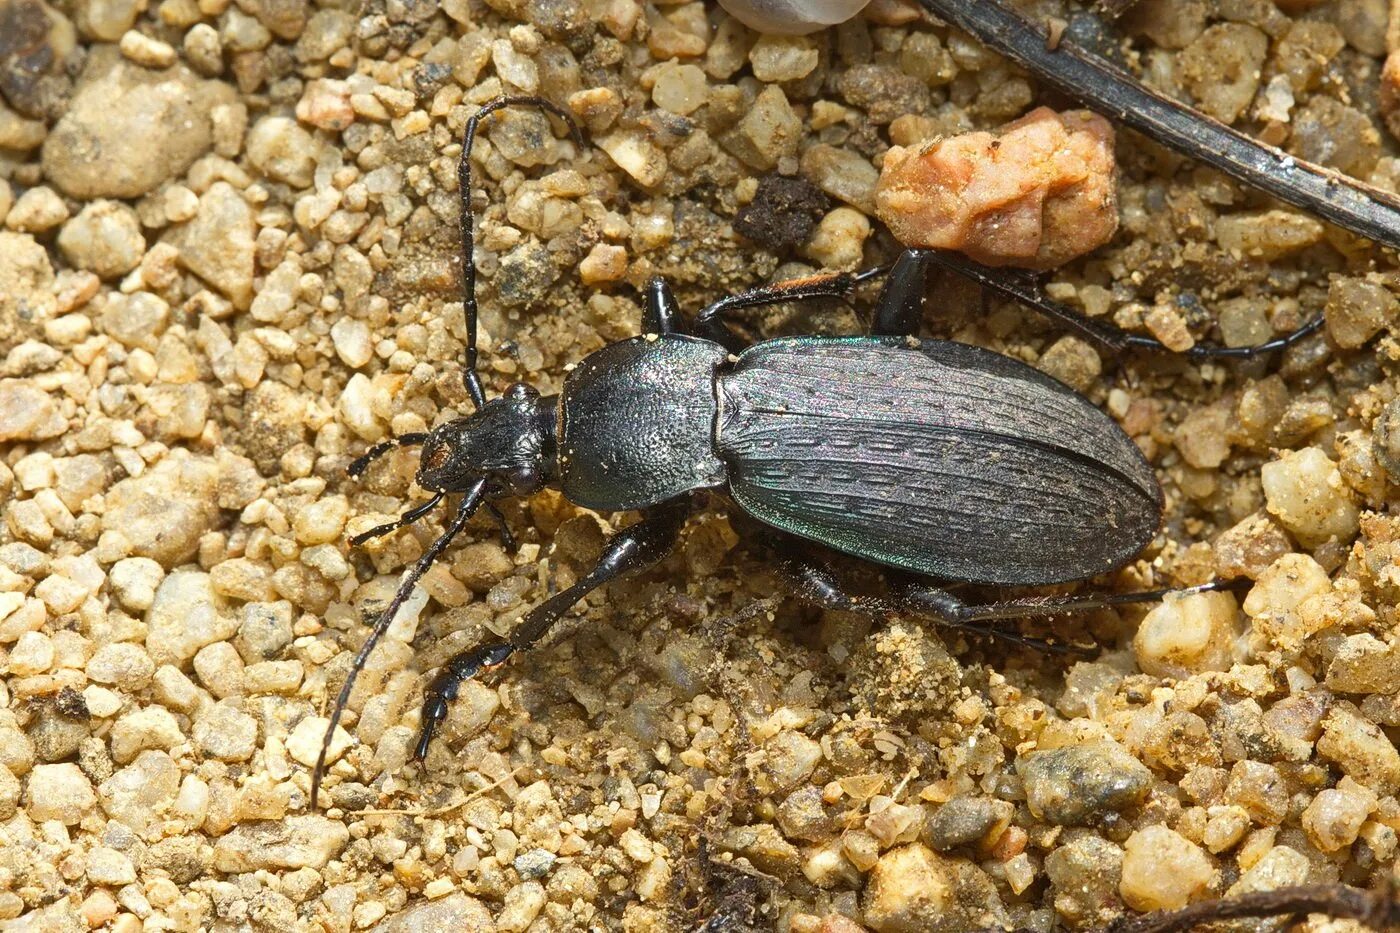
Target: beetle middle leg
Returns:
[633, 548]
[709, 321]
[814, 582]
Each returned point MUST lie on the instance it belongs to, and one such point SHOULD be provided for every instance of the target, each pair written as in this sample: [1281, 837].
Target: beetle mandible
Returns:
[938, 460]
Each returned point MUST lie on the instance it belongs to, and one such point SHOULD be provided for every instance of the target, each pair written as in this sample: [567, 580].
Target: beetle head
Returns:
[510, 440]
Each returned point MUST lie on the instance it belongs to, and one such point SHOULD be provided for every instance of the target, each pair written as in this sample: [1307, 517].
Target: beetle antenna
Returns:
[470, 377]
[465, 511]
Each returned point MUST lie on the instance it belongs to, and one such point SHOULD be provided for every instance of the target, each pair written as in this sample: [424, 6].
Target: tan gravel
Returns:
[228, 263]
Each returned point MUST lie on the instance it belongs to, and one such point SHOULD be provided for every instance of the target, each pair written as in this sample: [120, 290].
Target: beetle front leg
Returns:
[661, 314]
[633, 548]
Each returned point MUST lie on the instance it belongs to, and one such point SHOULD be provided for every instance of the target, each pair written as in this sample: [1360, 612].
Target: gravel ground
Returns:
[228, 264]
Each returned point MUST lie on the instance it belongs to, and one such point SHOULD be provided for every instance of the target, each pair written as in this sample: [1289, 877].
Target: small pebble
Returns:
[1267, 236]
[352, 342]
[1187, 635]
[838, 241]
[909, 889]
[1357, 309]
[965, 821]
[604, 263]
[146, 51]
[1162, 870]
[1079, 786]
[680, 89]
[123, 665]
[783, 58]
[305, 841]
[304, 743]
[58, 792]
[282, 150]
[38, 210]
[105, 238]
[1334, 817]
[636, 155]
[225, 733]
[1306, 493]
[1279, 867]
[523, 904]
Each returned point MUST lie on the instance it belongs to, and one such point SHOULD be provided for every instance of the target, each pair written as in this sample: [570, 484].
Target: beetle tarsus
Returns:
[407, 518]
[444, 687]
[465, 510]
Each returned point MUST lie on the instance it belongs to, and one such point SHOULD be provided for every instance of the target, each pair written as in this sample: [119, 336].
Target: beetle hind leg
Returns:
[814, 582]
[1025, 288]
[950, 610]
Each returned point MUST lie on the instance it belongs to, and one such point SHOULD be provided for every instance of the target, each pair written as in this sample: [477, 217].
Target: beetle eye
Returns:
[437, 459]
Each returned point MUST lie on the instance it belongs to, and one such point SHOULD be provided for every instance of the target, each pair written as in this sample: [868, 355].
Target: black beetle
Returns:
[938, 460]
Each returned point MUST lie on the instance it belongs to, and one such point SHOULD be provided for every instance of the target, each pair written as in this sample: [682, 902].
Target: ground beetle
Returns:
[938, 460]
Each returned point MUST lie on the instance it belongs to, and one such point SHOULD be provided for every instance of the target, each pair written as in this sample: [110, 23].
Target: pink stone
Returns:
[1036, 194]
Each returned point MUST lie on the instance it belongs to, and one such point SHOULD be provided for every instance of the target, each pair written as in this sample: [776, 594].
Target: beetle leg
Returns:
[633, 548]
[507, 537]
[900, 310]
[660, 314]
[709, 323]
[814, 582]
[1025, 288]
[465, 510]
[951, 612]
[1034, 606]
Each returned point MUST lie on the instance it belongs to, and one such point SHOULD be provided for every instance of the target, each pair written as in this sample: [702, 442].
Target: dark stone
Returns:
[782, 213]
[965, 821]
[33, 45]
[1082, 786]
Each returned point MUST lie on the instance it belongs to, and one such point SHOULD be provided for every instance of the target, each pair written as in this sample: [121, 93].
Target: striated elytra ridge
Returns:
[947, 460]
